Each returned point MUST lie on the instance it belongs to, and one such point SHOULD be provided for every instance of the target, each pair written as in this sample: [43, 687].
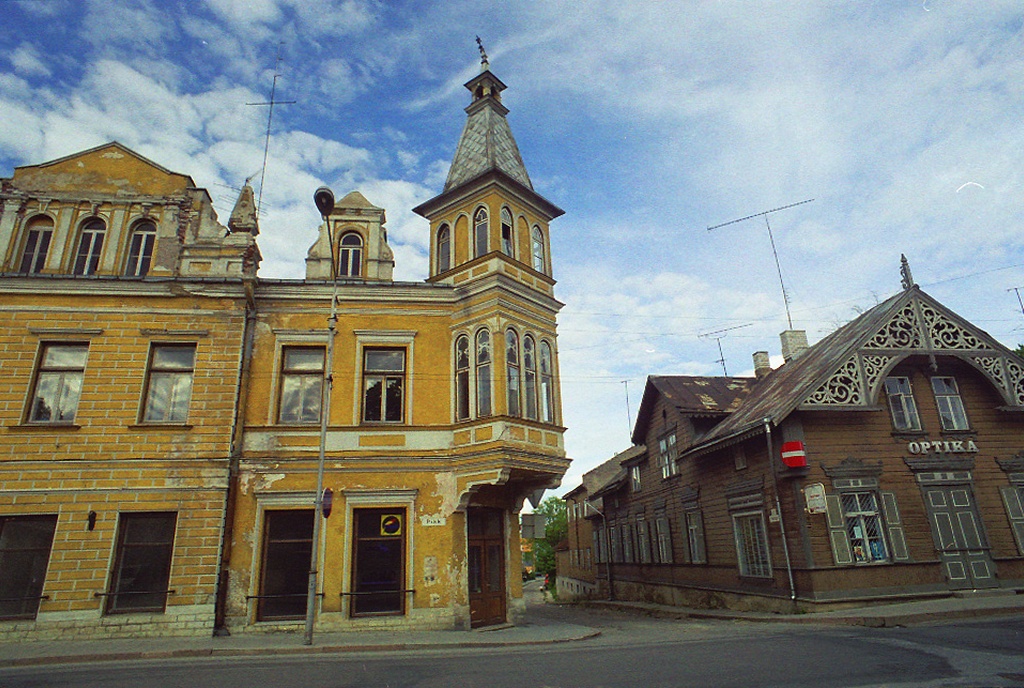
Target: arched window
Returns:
[530, 377]
[350, 255]
[483, 373]
[480, 232]
[38, 233]
[140, 249]
[537, 243]
[512, 367]
[444, 249]
[547, 384]
[462, 378]
[90, 246]
[507, 242]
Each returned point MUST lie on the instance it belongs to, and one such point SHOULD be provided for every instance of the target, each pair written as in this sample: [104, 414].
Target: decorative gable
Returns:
[919, 326]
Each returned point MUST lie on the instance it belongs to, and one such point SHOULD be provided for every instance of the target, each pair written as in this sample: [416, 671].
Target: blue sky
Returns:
[646, 121]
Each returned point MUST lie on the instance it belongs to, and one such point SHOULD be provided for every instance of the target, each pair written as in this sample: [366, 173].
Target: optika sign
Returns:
[943, 447]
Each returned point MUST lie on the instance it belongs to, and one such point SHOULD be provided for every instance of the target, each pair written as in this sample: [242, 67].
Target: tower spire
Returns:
[484, 64]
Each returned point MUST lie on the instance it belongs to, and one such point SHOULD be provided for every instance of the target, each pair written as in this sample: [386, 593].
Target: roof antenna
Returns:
[270, 117]
[718, 335]
[778, 267]
[484, 64]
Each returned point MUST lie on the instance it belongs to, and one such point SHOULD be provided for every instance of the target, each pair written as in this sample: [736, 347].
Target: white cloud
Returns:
[27, 62]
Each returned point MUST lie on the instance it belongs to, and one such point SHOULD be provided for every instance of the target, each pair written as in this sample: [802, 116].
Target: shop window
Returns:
[58, 383]
[444, 249]
[38, 233]
[284, 575]
[864, 527]
[901, 404]
[378, 562]
[512, 372]
[384, 385]
[169, 383]
[480, 233]
[140, 249]
[667, 455]
[302, 377]
[90, 247]
[350, 255]
[142, 563]
[483, 373]
[752, 545]
[25, 543]
[864, 524]
[949, 403]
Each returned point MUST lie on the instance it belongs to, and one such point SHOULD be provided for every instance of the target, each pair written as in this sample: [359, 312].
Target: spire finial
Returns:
[908, 279]
[484, 64]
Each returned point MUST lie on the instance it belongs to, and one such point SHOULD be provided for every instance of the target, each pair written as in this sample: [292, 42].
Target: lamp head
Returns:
[324, 199]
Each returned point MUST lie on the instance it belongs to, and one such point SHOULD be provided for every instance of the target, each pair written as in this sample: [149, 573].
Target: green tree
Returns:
[555, 531]
[1020, 350]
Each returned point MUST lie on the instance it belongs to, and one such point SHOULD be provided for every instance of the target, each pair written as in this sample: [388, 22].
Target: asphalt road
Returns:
[632, 651]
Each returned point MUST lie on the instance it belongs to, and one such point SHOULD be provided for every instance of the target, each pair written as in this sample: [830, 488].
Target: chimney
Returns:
[794, 343]
[762, 364]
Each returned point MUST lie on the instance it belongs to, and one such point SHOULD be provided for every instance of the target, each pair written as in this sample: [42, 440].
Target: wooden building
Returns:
[886, 461]
[163, 409]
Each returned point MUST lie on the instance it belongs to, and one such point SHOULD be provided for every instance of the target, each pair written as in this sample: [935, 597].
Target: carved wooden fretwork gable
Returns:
[918, 327]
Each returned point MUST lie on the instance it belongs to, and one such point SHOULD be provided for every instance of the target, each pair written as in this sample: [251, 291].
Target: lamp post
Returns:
[324, 199]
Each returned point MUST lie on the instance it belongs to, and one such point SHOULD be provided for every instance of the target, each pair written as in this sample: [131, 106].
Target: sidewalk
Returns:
[960, 606]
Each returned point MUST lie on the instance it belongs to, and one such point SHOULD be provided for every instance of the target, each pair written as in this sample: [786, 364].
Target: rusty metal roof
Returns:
[692, 396]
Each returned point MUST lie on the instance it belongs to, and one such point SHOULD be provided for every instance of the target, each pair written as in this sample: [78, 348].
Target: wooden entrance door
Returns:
[486, 551]
[959, 540]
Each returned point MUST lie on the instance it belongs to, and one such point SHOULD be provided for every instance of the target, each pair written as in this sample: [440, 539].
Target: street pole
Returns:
[324, 199]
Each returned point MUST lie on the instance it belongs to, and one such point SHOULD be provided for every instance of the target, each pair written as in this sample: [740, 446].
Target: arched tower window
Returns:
[480, 232]
[537, 245]
[512, 367]
[90, 246]
[530, 377]
[483, 373]
[38, 233]
[462, 378]
[547, 384]
[507, 242]
[140, 249]
[444, 249]
[350, 255]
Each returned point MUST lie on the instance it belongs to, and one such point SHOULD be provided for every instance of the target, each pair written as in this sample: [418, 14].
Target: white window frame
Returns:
[901, 394]
[668, 455]
[859, 520]
[949, 403]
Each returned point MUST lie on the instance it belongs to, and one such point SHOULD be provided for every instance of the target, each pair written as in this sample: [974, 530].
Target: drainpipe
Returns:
[220, 602]
[778, 506]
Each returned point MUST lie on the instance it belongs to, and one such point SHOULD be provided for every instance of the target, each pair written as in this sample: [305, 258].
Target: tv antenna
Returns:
[718, 335]
[1016, 290]
[270, 116]
[629, 416]
[771, 238]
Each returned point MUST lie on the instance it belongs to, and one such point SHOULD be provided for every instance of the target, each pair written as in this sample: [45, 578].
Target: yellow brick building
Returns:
[161, 418]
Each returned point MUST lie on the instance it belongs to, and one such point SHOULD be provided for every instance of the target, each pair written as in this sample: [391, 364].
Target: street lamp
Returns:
[324, 199]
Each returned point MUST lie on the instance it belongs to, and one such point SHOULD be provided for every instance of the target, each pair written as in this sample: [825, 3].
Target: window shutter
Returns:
[1015, 512]
[837, 531]
[892, 520]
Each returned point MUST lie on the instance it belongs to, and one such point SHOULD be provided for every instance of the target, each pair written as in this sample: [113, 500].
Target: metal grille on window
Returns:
[864, 527]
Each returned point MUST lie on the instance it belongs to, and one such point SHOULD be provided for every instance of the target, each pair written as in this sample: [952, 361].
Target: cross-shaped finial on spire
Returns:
[484, 64]
[908, 279]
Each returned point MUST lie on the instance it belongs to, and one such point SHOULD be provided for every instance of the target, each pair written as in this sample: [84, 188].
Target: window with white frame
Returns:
[169, 383]
[36, 245]
[444, 249]
[634, 478]
[864, 527]
[383, 385]
[480, 229]
[529, 378]
[350, 255]
[667, 455]
[483, 373]
[537, 248]
[302, 377]
[140, 249]
[90, 247]
[58, 383]
[547, 384]
[507, 241]
[949, 403]
[901, 403]
[752, 544]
